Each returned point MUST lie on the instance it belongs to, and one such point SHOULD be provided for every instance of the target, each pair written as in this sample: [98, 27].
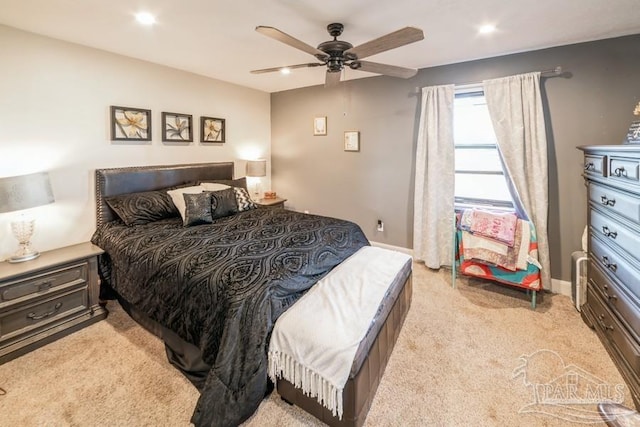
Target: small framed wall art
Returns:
[320, 126]
[352, 140]
[212, 129]
[633, 136]
[177, 127]
[130, 124]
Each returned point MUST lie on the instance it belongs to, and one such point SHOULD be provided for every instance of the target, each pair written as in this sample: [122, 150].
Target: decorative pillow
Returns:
[240, 182]
[178, 199]
[197, 209]
[243, 200]
[142, 208]
[223, 203]
[213, 186]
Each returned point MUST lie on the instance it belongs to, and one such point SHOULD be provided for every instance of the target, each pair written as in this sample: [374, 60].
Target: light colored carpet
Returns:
[453, 365]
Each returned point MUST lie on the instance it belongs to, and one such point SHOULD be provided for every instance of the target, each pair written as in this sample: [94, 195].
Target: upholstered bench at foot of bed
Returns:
[361, 386]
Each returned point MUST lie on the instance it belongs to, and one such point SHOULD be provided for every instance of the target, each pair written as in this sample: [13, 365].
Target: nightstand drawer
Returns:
[28, 317]
[36, 286]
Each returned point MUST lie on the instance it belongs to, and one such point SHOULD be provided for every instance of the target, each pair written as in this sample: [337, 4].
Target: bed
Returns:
[213, 292]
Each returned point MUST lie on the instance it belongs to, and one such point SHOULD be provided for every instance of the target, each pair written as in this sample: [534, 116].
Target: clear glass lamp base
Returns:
[23, 230]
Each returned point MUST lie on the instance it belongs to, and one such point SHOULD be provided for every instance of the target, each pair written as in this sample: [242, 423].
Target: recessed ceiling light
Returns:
[145, 18]
[285, 70]
[487, 29]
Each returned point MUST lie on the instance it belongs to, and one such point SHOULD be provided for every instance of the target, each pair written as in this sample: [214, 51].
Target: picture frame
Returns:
[130, 124]
[633, 135]
[212, 130]
[320, 126]
[352, 140]
[177, 127]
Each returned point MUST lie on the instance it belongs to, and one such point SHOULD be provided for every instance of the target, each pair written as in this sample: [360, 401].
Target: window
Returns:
[479, 178]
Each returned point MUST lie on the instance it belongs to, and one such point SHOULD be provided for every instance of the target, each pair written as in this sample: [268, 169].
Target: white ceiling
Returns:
[217, 38]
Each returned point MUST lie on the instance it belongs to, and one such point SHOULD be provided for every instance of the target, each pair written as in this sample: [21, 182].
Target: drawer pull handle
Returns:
[611, 266]
[609, 233]
[611, 297]
[34, 316]
[620, 172]
[589, 166]
[604, 325]
[44, 286]
[607, 201]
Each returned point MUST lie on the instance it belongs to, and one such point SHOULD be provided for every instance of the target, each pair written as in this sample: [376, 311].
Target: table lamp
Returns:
[256, 169]
[18, 193]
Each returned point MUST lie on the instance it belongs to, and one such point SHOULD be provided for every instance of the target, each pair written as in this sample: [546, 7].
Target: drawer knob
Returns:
[620, 172]
[609, 233]
[611, 266]
[34, 316]
[589, 166]
[45, 286]
[607, 201]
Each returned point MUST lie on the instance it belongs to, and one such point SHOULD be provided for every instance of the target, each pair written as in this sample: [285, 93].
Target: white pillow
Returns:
[213, 186]
[178, 198]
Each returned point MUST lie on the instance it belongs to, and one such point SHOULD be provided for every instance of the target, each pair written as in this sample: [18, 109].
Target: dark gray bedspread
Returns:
[222, 286]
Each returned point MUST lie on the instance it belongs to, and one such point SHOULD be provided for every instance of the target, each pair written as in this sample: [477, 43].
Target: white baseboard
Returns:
[561, 287]
[393, 248]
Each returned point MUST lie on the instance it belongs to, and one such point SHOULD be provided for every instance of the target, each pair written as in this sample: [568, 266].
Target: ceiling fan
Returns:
[336, 54]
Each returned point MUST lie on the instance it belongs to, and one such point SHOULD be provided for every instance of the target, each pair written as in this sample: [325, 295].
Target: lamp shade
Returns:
[257, 168]
[25, 191]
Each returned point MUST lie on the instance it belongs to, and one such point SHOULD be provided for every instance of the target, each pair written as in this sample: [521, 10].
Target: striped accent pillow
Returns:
[244, 201]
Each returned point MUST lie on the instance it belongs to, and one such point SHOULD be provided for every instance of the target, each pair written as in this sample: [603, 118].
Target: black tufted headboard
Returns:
[116, 181]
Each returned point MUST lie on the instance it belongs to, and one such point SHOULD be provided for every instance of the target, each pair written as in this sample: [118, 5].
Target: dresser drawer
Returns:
[36, 286]
[613, 232]
[28, 317]
[616, 201]
[627, 170]
[615, 265]
[594, 165]
[610, 327]
[617, 297]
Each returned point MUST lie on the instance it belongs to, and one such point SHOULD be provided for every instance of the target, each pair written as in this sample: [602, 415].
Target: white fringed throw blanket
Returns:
[314, 342]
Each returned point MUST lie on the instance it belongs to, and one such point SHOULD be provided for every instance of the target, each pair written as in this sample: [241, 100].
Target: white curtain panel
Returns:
[435, 174]
[515, 107]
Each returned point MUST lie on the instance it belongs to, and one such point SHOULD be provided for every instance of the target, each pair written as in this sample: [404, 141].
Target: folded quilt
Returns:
[498, 226]
[314, 342]
[511, 258]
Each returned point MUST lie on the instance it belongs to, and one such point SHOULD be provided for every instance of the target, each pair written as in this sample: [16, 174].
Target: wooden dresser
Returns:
[612, 175]
[47, 298]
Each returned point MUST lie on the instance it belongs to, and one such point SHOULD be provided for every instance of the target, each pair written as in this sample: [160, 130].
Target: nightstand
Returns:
[277, 203]
[47, 298]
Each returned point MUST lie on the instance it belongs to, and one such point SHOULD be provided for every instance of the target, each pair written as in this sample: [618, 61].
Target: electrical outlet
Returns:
[380, 225]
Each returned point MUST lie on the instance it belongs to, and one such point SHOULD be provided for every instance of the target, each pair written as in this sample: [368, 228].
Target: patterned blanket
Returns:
[222, 286]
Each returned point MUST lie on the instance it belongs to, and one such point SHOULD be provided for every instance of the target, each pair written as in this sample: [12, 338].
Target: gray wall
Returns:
[591, 104]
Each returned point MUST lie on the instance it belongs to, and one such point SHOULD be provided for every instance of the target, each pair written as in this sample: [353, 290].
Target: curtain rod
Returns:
[544, 73]
[555, 72]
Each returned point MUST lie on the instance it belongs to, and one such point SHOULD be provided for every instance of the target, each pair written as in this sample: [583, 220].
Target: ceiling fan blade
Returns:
[387, 70]
[290, 67]
[332, 78]
[285, 38]
[390, 41]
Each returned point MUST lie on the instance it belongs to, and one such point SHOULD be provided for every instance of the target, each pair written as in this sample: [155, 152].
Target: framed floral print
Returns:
[130, 124]
[177, 127]
[212, 130]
